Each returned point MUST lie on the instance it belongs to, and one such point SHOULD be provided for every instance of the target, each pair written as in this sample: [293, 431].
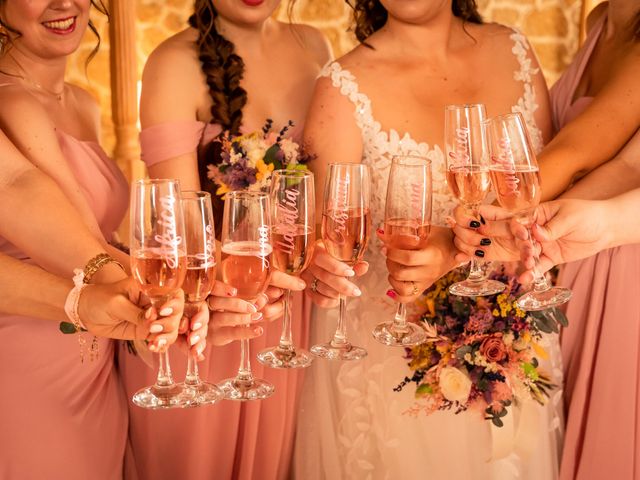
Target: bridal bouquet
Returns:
[248, 160]
[480, 354]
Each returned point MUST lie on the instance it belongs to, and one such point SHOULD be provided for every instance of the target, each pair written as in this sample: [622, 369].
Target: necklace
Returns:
[25, 76]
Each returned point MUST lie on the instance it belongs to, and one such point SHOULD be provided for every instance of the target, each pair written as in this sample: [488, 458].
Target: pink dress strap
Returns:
[562, 93]
[171, 139]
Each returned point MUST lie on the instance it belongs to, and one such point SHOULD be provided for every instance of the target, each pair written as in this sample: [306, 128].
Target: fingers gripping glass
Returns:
[516, 181]
[468, 179]
[346, 226]
[407, 224]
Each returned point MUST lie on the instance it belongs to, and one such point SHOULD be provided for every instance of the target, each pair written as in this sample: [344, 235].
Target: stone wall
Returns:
[551, 25]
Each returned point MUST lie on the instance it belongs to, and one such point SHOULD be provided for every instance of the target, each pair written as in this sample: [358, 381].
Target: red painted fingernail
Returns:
[380, 231]
[392, 294]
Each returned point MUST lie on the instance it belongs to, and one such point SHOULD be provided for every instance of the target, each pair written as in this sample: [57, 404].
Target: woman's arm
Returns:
[598, 133]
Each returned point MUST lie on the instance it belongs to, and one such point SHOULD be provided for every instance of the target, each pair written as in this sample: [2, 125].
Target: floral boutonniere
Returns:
[249, 159]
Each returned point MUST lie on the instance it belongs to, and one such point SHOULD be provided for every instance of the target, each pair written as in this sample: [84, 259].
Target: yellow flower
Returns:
[495, 312]
[541, 352]
[263, 169]
[222, 189]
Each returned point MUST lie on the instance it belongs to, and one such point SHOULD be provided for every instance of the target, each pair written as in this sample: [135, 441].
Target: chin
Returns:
[415, 11]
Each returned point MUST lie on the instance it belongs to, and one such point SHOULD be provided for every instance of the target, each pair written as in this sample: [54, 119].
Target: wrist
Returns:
[109, 273]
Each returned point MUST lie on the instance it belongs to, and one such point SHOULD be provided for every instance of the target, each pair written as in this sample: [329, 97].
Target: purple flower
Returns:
[238, 176]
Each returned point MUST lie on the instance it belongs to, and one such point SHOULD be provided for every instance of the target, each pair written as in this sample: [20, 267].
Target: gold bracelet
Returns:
[96, 263]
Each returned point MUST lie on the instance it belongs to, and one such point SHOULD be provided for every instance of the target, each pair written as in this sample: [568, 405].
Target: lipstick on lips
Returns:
[252, 3]
[61, 26]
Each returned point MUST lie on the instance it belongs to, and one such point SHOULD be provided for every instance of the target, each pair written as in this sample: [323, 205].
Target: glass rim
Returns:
[194, 194]
[505, 116]
[155, 181]
[458, 106]
[349, 164]
[246, 194]
[283, 172]
[427, 161]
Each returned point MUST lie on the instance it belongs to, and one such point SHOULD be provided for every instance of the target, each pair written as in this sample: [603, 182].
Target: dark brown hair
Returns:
[635, 27]
[222, 67]
[370, 15]
[5, 39]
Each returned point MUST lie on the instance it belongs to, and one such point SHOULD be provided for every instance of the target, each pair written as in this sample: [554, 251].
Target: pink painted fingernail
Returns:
[196, 326]
[200, 350]
[356, 291]
[349, 273]
[380, 231]
[256, 316]
[251, 308]
[166, 311]
[392, 294]
[156, 328]
[162, 342]
[147, 314]
[193, 340]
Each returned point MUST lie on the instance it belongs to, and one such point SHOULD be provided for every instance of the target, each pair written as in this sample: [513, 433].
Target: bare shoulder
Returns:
[177, 56]
[313, 41]
[19, 104]
[493, 35]
[596, 14]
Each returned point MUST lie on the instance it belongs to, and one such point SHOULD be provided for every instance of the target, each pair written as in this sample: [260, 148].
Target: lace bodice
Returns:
[380, 146]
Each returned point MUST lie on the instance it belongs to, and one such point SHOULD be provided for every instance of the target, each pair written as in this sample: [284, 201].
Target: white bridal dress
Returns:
[352, 424]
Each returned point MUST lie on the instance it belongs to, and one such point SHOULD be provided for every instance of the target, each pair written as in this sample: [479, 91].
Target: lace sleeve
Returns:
[527, 103]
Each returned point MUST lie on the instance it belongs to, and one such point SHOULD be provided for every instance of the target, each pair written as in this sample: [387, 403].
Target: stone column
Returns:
[124, 95]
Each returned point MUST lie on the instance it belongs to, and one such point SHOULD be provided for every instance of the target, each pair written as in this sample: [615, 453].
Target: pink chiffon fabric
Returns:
[60, 418]
[229, 440]
[601, 346]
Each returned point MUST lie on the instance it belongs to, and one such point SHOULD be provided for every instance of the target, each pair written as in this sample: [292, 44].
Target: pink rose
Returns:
[493, 349]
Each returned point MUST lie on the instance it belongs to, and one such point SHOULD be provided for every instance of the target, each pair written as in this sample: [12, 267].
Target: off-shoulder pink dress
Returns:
[601, 346]
[229, 440]
[60, 418]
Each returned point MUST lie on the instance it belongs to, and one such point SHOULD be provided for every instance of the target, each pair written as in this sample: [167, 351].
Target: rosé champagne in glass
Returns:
[293, 234]
[469, 181]
[407, 225]
[199, 280]
[158, 264]
[516, 181]
[346, 226]
[246, 265]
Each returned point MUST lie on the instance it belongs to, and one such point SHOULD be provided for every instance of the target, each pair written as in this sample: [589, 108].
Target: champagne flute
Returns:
[293, 207]
[468, 179]
[158, 263]
[246, 266]
[407, 225]
[346, 226]
[200, 244]
[516, 181]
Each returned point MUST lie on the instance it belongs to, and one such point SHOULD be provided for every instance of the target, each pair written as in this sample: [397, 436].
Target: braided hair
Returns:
[370, 15]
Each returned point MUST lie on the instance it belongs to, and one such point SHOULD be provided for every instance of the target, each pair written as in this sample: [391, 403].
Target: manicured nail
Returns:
[384, 251]
[162, 342]
[482, 220]
[356, 291]
[380, 231]
[265, 298]
[156, 328]
[152, 347]
[196, 326]
[301, 284]
[199, 350]
[256, 316]
[233, 292]
[474, 224]
[147, 314]
[485, 241]
[349, 273]
[166, 311]
[195, 339]
[251, 308]
[479, 253]
[392, 294]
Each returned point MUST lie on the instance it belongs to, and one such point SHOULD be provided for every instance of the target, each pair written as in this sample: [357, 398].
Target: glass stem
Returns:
[286, 338]
[164, 378]
[400, 320]
[340, 337]
[476, 274]
[540, 283]
[244, 371]
[192, 377]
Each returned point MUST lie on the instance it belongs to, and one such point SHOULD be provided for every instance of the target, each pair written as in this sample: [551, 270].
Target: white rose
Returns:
[455, 384]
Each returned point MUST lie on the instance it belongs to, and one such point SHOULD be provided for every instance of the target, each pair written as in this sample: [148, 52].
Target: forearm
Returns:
[623, 218]
[30, 291]
[609, 180]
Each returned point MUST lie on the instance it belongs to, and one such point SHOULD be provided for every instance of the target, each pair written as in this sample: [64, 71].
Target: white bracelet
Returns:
[73, 300]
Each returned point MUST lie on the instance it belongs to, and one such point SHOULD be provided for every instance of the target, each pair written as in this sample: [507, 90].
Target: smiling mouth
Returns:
[64, 26]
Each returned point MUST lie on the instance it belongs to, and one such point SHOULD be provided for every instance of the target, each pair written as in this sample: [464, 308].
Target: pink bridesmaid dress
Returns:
[229, 440]
[601, 347]
[59, 418]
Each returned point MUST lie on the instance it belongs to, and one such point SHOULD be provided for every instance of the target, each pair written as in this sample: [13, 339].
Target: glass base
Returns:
[345, 351]
[534, 301]
[277, 357]
[204, 393]
[244, 390]
[471, 288]
[389, 334]
[173, 396]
